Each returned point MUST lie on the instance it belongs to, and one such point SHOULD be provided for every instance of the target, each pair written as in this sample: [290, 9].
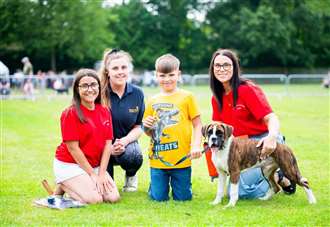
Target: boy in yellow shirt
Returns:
[170, 119]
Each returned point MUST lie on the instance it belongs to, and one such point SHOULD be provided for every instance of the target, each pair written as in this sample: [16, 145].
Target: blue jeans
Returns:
[252, 183]
[131, 160]
[179, 179]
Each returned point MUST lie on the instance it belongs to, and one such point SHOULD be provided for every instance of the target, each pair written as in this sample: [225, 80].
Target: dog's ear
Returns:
[205, 128]
[228, 130]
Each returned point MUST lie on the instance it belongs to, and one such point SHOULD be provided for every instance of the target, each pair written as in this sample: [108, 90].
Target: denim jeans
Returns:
[252, 183]
[131, 160]
[179, 179]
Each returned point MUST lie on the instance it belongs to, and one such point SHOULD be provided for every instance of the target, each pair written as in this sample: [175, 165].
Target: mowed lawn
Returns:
[30, 132]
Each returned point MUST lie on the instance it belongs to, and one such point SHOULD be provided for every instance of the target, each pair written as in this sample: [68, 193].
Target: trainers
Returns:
[130, 184]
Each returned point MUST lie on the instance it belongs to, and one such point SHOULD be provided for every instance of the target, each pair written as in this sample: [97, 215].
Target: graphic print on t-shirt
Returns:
[166, 115]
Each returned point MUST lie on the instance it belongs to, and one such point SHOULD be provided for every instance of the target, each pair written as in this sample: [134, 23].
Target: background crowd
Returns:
[58, 35]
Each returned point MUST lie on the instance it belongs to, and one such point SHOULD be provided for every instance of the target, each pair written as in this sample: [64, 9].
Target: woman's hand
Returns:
[118, 147]
[269, 145]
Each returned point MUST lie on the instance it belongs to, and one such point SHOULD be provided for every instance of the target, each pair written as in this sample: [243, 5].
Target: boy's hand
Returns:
[195, 153]
[148, 122]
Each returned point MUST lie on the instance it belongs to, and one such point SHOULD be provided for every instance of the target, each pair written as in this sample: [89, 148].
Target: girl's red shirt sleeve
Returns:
[70, 125]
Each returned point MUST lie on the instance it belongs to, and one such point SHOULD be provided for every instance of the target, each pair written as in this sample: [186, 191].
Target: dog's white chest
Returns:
[221, 163]
[220, 158]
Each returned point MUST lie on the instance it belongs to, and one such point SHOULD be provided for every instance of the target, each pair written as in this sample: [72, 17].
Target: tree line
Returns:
[68, 34]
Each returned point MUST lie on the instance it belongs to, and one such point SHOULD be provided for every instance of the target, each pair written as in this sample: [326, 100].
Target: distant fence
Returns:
[32, 86]
[268, 78]
[29, 87]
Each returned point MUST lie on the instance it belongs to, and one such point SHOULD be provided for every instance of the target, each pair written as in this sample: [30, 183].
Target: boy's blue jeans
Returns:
[178, 179]
[252, 183]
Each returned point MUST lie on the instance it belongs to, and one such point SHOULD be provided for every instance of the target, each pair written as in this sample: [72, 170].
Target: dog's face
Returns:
[217, 134]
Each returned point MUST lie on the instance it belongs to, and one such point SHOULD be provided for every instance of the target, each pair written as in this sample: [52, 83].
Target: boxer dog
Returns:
[232, 155]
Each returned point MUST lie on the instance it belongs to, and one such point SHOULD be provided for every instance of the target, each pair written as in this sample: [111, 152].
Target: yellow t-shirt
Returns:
[172, 131]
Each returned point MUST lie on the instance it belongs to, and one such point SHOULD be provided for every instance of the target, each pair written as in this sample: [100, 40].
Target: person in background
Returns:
[326, 81]
[4, 87]
[171, 119]
[243, 105]
[28, 86]
[4, 80]
[82, 158]
[4, 71]
[126, 103]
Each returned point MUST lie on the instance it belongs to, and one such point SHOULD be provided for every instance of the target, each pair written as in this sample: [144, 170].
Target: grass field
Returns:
[30, 133]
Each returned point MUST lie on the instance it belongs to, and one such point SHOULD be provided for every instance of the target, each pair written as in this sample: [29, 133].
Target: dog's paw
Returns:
[229, 205]
[215, 202]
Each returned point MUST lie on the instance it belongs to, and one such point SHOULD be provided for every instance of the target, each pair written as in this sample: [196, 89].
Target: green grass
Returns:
[30, 132]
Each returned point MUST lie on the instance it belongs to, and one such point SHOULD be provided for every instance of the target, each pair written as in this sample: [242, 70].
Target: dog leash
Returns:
[205, 145]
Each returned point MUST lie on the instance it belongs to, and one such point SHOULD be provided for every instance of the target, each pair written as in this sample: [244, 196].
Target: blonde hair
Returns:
[108, 56]
[167, 63]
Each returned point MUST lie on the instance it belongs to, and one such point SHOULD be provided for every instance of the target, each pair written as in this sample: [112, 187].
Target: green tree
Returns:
[135, 31]
[54, 29]
[265, 39]
[272, 33]
[151, 28]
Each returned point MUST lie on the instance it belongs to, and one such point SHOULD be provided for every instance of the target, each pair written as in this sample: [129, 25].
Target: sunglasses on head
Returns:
[114, 51]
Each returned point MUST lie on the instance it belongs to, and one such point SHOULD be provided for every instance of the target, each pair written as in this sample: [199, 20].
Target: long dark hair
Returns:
[76, 100]
[236, 80]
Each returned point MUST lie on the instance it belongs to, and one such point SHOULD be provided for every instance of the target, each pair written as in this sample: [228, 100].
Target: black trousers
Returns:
[131, 160]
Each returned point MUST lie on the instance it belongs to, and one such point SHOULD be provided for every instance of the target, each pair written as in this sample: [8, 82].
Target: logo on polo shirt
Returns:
[240, 107]
[106, 123]
[133, 110]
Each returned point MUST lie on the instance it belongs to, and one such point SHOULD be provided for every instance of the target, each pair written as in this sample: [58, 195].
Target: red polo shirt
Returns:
[247, 117]
[91, 135]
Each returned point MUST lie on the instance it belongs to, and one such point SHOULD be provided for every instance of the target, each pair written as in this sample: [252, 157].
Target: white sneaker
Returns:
[131, 184]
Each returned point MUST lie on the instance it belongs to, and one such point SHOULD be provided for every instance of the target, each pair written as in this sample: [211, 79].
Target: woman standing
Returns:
[81, 159]
[126, 103]
[243, 105]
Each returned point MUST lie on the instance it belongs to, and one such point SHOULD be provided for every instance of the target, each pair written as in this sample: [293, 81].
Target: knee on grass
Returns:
[111, 198]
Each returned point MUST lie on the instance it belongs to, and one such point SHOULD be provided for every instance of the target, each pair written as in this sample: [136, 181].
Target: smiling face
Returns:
[118, 72]
[89, 90]
[168, 81]
[223, 69]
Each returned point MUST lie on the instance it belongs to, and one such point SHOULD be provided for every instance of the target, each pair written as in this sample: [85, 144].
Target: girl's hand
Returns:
[97, 180]
[106, 184]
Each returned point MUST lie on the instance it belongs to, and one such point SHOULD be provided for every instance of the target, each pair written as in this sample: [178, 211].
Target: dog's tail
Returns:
[310, 196]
